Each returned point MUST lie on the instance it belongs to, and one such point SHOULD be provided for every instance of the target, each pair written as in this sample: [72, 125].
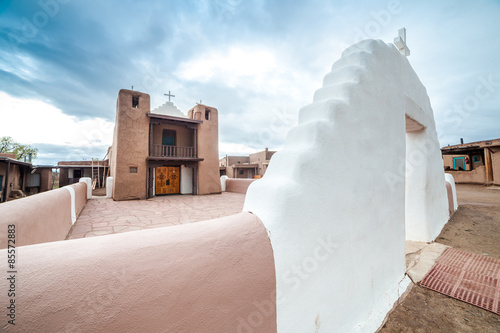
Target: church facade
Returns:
[162, 151]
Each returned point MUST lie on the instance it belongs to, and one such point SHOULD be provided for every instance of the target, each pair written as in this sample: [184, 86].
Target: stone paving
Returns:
[102, 216]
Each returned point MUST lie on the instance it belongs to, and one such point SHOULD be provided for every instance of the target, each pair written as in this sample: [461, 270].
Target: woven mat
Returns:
[468, 277]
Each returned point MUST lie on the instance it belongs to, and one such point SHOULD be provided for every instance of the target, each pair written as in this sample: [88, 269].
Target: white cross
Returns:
[400, 42]
[169, 95]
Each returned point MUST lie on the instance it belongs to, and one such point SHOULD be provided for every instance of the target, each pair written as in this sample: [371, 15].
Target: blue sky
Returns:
[62, 63]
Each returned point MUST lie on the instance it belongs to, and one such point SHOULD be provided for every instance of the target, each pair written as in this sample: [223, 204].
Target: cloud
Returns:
[258, 62]
[30, 121]
[229, 66]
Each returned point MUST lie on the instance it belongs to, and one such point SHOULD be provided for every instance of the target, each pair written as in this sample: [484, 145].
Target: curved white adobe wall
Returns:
[449, 178]
[333, 200]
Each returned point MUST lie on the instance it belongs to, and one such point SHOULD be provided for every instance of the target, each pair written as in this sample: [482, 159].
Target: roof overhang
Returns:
[461, 150]
[176, 159]
[173, 118]
[245, 166]
[13, 161]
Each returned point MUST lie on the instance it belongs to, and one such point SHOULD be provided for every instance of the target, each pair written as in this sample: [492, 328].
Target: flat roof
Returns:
[482, 144]
[459, 150]
[81, 166]
[11, 160]
[173, 118]
[245, 166]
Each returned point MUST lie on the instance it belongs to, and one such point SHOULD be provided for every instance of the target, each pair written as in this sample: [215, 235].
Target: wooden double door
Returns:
[167, 180]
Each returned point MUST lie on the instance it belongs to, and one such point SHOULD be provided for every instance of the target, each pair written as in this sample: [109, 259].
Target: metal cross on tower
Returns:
[400, 42]
[169, 95]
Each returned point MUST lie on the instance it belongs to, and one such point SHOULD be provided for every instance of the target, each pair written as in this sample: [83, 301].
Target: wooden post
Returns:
[150, 137]
[488, 165]
[196, 142]
[5, 190]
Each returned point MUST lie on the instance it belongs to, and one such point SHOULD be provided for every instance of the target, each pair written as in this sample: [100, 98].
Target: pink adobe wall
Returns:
[212, 276]
[476, 176]
[40, 218]
[238, 185]
[80, 196]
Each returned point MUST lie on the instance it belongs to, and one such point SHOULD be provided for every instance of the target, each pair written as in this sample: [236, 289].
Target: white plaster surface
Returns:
[223, 182]
[449, 178]
[87, 181]
[426, 197]
[186, 180]
[355, 129]
[420, 257]
[73, 198]
[169, 109]
[109, 187]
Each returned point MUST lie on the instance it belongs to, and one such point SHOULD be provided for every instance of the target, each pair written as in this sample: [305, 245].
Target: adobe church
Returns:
[163, 151]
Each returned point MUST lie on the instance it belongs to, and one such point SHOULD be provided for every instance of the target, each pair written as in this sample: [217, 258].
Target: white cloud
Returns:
[33, 121]
[226, 148]
[230, 66]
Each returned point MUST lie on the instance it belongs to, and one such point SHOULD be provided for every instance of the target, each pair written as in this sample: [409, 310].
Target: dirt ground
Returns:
[475, 227]
[99, 192]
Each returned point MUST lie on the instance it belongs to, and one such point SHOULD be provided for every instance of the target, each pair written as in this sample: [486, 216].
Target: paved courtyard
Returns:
[102, 216]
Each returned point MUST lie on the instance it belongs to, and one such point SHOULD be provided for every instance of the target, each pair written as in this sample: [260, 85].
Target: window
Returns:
[133, 169]
[477, 158]
[207, 114]
[168, 137]
[459, 163]
[241, 172]
[135, 101]
[77, 173]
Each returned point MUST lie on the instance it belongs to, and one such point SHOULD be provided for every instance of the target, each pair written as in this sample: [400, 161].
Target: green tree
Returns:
[8, 145]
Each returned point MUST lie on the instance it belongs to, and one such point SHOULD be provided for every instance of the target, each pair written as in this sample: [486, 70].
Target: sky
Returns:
[62, 63]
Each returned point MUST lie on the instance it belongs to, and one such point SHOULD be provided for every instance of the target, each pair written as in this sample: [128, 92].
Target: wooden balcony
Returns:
[173, 151]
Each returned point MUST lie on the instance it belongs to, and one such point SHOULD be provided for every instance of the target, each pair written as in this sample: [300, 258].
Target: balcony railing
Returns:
[173, 151]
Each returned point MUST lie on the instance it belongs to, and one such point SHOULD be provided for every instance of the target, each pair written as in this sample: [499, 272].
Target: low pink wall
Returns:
[211, 276]
[40, 218]
[238, 185]
[80, 196]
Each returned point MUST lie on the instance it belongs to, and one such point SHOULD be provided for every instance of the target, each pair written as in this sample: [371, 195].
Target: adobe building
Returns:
[19, 179]
[71, 172]
[251, 166]
[163, 151]
[475, 162]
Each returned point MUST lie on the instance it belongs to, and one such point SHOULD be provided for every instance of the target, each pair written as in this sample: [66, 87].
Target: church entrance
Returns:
[167, 180]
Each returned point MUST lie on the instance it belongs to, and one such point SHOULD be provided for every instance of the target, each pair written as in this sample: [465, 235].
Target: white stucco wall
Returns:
[87, 181]
[223, 182]
[186, 180]
[333, 200]
[449, 178]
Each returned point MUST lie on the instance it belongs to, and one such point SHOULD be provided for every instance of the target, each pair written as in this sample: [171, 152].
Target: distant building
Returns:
[163, 151]
[70, 172]
[252, 166]
[19, 179]
[475, 162]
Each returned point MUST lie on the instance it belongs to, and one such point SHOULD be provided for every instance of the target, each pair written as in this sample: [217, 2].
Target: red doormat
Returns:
[471, 278]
